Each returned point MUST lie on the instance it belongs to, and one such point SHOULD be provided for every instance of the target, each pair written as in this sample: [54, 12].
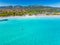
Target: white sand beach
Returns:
[33, 16]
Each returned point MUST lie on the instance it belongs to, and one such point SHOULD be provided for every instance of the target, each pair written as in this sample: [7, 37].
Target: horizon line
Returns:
[30, 5]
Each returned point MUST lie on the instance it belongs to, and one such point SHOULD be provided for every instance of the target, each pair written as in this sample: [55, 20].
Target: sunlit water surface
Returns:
[30, 32]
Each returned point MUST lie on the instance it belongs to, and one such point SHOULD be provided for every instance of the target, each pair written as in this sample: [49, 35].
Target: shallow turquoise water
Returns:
[30, 32]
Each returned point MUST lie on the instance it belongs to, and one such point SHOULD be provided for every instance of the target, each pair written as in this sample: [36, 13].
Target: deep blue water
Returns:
[30, 32]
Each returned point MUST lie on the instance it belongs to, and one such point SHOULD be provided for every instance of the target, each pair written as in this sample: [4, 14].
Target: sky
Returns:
[53, 3]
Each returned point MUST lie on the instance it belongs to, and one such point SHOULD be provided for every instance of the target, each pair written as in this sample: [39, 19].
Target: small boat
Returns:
[3, 19]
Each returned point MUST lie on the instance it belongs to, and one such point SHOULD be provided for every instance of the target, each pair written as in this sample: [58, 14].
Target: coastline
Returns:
[33, 16]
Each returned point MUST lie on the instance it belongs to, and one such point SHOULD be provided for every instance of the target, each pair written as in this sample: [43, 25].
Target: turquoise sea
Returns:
[30, 32]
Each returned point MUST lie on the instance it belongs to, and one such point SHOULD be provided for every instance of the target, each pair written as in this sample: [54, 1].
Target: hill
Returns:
[32, 9]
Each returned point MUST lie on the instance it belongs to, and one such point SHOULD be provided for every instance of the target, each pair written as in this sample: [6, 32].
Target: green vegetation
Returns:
[23, 10]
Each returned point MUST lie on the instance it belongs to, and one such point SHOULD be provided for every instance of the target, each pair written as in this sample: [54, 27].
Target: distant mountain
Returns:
[31, 7]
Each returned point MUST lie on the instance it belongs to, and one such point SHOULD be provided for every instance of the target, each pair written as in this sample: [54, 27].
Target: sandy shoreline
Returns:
[24, 17]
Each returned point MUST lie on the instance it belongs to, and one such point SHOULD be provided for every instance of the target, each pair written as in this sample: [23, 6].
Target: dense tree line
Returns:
[23, 10]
